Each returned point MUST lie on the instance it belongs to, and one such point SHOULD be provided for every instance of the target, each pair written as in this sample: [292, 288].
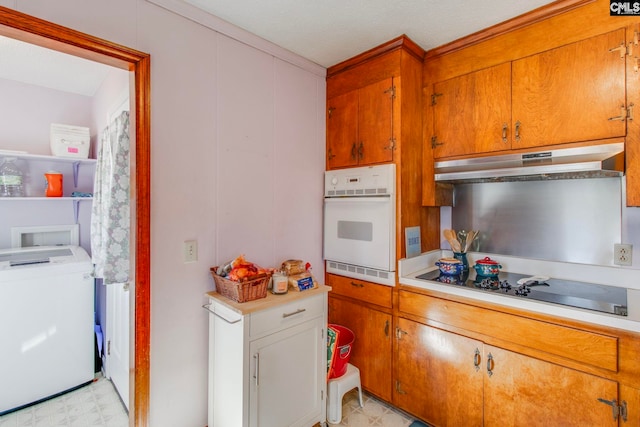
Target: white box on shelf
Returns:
[70, 141]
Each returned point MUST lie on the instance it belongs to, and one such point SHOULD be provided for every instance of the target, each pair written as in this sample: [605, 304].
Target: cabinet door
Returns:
[571, 93]
[525, 391]
[371, 349]
[342, 130]
[375, 133]
[438, 375]
[287, 373]
[472, 113]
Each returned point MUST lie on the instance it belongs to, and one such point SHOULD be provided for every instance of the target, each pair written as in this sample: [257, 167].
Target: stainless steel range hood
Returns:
[595, 161]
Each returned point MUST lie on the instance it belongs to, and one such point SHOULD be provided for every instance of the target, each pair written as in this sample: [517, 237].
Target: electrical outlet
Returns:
[190, 251]
[622, 254]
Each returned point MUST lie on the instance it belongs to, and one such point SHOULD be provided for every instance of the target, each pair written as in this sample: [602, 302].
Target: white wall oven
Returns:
[360, 223]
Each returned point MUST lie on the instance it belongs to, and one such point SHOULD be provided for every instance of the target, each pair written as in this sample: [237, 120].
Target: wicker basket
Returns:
[241, 291]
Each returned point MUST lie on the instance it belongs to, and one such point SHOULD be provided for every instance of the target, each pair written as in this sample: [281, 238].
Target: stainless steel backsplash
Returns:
[566, 220]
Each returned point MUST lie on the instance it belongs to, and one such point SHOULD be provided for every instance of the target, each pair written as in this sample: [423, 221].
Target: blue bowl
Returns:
[450, 268]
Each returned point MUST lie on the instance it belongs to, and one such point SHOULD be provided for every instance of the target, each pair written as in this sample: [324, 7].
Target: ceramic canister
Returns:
[53, 184]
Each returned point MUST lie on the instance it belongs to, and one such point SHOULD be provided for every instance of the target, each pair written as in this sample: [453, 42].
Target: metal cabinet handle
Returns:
[386, 328]
[298, 311]
[399, 389]
[361, 151]
[357, 285]
[256, 374]
[518, 124]
[206, 307]
[353, 151]
[505, 127]
[490, 364]
[477, 359]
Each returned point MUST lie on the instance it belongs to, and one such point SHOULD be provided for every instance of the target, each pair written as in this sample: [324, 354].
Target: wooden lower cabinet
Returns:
[448, 379]
[371, 350]
[436, 378]
[523, 390]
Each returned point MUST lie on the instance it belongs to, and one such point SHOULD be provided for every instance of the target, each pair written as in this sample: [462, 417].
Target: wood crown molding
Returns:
[521, 21]
[401, 42]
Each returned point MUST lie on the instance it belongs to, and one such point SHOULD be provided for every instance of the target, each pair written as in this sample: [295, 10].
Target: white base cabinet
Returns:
[267, 361]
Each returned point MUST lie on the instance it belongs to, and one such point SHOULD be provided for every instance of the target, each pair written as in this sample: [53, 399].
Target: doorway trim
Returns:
[47, 34]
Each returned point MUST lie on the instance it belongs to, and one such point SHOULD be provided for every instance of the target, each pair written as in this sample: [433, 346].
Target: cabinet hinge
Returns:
[435, 143]
[434, 98]
[625, 113]
[392, 144]
[616, 410]
[391, 91]
[330, 111]
[623, 49]
[400, 333]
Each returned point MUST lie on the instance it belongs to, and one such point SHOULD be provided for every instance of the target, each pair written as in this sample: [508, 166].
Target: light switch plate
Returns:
[190, 251]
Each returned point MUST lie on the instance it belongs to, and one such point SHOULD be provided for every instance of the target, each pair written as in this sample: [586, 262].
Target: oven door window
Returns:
[359, 230]
[356, 230]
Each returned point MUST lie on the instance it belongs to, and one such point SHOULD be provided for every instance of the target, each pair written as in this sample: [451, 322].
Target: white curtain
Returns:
[110, 220]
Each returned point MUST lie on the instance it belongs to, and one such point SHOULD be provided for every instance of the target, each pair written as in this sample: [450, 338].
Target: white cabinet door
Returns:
[286, 370]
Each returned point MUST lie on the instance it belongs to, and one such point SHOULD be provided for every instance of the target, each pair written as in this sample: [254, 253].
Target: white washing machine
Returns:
[46, 323]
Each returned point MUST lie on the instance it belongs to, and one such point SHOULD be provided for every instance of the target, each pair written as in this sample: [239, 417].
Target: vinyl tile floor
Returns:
[96, 404]
[373, 413]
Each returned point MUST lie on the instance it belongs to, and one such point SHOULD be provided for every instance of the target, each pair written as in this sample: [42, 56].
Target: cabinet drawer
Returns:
[582, 346]
[361, 290]
[286, 315]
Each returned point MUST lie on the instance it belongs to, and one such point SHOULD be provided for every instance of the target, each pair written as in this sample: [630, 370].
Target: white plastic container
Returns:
[70, 141]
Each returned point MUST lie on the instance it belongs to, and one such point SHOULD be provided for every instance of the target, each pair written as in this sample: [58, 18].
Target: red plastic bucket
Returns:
[343, 351]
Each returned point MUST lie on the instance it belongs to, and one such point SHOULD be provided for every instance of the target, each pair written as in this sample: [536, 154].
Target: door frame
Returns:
[43, 33]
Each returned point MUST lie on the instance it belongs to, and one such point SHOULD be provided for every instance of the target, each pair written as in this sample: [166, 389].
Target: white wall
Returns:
[237, 160]
[27, 112]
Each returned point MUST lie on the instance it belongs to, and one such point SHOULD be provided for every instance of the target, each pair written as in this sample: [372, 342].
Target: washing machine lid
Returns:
[17, 257]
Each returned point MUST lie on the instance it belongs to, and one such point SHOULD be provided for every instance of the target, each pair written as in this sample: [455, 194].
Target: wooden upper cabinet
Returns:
[342, 130]
[572, 93]
[375, 126]
[360, 126]
[472, 113]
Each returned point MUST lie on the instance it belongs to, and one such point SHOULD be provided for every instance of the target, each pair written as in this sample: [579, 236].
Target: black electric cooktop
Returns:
[589, 296]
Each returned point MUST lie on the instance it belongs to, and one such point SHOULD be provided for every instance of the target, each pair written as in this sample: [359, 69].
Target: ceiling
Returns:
[323, 31]
[24, 62]
[330, 31]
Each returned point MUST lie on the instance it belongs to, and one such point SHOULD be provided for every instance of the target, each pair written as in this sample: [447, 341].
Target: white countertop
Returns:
[410, 268]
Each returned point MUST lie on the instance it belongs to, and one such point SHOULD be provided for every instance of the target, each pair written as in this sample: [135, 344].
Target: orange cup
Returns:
[54, 184]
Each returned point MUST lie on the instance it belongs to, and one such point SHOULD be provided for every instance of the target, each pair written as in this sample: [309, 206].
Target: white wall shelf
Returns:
[75, 162]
